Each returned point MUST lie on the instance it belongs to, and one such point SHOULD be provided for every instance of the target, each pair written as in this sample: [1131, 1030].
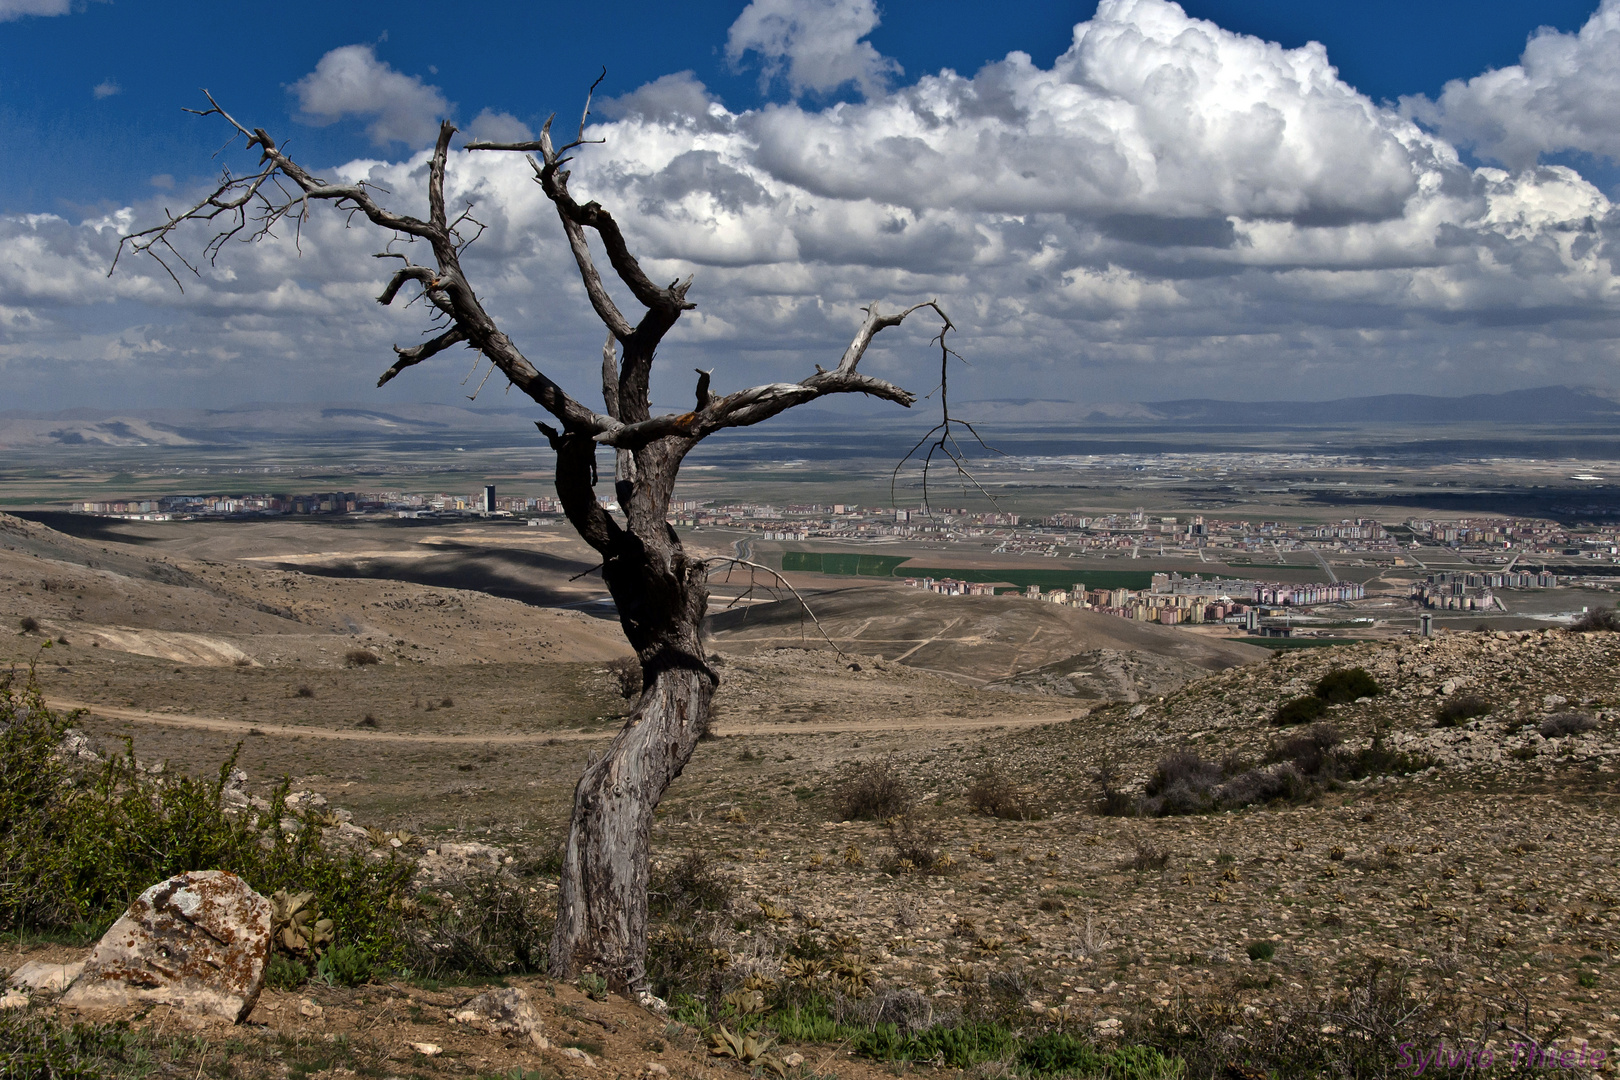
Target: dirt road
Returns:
[359, 734]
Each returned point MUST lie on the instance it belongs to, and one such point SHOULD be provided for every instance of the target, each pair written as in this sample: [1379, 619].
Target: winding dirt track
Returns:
[244, 727]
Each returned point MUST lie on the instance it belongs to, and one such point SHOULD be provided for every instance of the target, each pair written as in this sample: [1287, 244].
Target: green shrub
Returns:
[34, 1045]
[1261, 950]
[1300, 710]
[593, 986]
[1058, 1053]
[284, 973]
[77, 844]
[1343, 685]
[345, 965]
[959, 1046]
[1142, 1063]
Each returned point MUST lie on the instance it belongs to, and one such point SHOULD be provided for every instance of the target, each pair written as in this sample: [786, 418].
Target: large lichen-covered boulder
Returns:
[197, 942]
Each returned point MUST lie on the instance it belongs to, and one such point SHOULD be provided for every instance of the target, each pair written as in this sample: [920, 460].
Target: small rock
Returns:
[426, 1049]
[347, 836]
[310, 1008]
[502, 1012]
[793, 1060]
[579, 1055]
[197, 941]
[14, 999]
[50, 978]
[452, 862]
[653, 1069]
[302, 802]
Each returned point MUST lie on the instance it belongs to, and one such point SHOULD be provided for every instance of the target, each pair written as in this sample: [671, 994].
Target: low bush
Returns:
[1566, 723]
[361, 657]
[677, 890]
[1147, 857]
[1300, 710]
[1459, 708]
[282, 972]
[305, 691]
[489, 924]
[1047, 1054]
[345, 965]
[918, 848]
[872, 791]
[1604, 619]
[957, 1046]
[28, 624]
[625, 674]
[1297, 769]
[35, 1045]
[1261, 950]
[78, 844]
[994, 793]
[1338, 687]
[1059, 1053]
[1343, 685]
[1310, 751]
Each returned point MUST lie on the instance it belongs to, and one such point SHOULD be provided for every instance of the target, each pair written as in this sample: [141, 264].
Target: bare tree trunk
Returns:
[661, 597]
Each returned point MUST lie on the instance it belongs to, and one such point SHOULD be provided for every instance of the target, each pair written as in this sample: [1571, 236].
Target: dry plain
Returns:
[1489, 878]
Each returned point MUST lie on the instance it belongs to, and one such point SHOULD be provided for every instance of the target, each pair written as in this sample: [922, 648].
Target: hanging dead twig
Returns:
[728, 560]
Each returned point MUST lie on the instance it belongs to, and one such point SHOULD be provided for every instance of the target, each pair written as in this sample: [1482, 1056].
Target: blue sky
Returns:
[1396, 227]
[71, 150]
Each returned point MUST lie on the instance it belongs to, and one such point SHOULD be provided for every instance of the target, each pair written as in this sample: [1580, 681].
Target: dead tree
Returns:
[660, 591]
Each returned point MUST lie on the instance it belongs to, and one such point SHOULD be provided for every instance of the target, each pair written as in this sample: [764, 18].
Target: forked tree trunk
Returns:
[661, 597]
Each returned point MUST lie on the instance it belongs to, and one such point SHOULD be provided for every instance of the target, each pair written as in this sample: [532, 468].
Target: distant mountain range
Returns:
[256, 422]
[267, 421]
[1543, 404]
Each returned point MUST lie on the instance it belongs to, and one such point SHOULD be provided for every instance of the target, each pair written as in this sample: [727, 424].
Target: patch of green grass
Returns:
[810, 1022]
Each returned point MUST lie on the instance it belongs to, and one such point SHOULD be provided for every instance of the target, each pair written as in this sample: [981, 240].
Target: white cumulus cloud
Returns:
[1560, 96]
[814, 45]
[1169, 206]
[17, 9]
[351, 81]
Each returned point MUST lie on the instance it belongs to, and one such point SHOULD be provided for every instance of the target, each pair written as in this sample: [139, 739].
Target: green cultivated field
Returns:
[846, 563]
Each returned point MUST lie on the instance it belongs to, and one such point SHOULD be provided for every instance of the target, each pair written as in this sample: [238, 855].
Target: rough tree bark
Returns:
[661, 593]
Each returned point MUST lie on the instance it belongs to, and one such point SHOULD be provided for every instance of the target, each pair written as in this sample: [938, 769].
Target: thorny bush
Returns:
[873, 791]
[78, 841]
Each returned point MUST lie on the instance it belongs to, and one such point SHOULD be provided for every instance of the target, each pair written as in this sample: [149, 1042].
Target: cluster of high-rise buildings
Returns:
[1460, 591]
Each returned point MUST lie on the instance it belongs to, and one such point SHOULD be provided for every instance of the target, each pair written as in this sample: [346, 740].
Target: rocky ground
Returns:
[1488, 876]
[1477, 860]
